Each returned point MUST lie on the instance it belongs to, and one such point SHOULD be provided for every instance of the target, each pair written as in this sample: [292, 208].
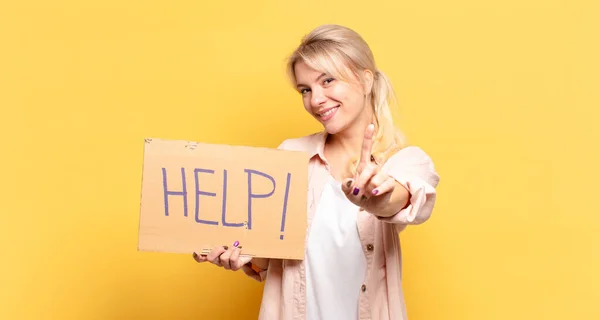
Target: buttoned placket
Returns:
[367, 240]
[365, 232]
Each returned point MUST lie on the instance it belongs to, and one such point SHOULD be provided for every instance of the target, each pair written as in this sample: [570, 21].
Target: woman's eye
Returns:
[303, 91]
[328, 80]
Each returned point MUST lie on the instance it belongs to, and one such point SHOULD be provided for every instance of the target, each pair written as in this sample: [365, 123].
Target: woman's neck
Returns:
[349, 141]
[345, 146]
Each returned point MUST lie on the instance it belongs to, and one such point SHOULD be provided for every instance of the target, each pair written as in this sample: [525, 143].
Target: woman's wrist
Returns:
[254, 267]
[258, 264]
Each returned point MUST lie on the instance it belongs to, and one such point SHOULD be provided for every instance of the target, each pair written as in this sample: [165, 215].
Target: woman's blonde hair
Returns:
[338, 50]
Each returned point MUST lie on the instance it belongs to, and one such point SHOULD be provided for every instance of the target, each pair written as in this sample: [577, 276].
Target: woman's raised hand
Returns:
[370, 188]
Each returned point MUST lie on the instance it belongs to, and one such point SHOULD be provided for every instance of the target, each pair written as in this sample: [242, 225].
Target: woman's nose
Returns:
[318, 97]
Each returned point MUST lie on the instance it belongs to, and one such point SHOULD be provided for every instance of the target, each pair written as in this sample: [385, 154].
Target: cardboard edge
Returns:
[147, 141]
[185, 142]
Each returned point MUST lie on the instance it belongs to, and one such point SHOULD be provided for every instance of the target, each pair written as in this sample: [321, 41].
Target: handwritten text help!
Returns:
[184, 193]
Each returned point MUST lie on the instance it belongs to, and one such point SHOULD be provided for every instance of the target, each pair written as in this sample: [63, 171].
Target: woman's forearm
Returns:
[261, 263]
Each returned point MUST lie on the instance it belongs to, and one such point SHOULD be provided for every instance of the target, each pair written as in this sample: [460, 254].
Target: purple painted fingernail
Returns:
[375, 192]
[355, 192]
[237, 243]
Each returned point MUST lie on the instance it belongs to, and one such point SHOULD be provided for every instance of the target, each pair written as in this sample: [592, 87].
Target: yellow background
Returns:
[502, 94]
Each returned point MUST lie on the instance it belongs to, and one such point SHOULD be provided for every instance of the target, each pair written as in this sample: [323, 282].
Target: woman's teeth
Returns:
[328, 112]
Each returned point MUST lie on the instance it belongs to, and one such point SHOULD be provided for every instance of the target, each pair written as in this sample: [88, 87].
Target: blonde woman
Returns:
[365, 186]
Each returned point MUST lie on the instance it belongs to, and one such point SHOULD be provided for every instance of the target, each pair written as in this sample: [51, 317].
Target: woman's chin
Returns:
[332, 128]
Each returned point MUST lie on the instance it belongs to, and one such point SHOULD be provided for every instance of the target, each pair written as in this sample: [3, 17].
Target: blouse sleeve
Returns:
[414, 169]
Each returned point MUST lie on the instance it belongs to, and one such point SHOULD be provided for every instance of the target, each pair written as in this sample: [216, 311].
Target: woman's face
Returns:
[336, 104]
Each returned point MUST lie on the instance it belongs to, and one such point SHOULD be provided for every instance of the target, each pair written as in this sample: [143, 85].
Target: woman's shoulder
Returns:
[305, 143]
[409, 156]
[411, 161]
[411, 152]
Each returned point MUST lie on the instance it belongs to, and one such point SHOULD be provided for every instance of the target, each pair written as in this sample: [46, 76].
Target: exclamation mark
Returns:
[285, 199]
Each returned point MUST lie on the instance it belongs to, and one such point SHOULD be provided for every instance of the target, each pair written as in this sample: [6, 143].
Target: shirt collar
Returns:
[316, 145]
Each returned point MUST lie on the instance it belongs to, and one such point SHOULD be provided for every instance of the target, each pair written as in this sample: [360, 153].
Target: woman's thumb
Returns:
[244, 259]
[347, 185]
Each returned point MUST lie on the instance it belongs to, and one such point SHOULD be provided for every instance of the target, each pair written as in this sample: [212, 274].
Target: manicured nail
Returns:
[355, 192]
[237, 243]
[375, 192]
[349, 184]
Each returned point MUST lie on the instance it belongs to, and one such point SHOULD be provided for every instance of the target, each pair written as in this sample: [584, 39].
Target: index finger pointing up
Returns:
[365, 155]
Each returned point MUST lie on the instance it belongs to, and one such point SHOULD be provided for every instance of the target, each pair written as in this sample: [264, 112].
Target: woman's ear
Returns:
[368, 83]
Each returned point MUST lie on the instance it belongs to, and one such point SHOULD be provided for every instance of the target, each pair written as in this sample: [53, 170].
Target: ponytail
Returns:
[387, 138]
